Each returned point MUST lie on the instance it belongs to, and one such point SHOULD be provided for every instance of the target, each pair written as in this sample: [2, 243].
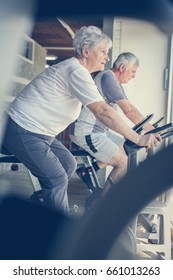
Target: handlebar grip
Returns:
[138, 127]
[131, 145]
[159, 129]
[167, 134]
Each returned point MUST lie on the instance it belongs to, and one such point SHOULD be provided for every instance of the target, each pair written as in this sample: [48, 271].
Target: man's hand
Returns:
[149, 140]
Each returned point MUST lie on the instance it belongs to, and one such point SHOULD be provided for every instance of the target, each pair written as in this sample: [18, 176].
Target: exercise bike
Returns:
[128, 238]
[100, 234]
[89, 176]
[132, 152]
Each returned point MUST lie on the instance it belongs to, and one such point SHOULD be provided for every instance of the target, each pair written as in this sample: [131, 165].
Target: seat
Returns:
[7, 157]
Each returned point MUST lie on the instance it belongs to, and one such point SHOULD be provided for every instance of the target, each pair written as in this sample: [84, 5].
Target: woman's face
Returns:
[96, 57]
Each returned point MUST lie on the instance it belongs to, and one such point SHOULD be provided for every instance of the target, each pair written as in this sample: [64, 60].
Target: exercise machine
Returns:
[7, 157]
[128, 237]
[87, 174]
[145, 219]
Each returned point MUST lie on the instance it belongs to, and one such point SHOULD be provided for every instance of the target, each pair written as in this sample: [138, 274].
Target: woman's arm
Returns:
[107, 115]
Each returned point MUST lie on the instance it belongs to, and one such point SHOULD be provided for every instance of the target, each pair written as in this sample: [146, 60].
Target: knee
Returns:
[123, 159]
[63, 181]
[58, 180]
[71, 166]
[119, 160]
[122, 162]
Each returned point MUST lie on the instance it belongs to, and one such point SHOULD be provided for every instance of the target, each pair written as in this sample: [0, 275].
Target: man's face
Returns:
[127, 74]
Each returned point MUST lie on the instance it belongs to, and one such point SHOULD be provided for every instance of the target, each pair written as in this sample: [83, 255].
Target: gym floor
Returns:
[19, 183]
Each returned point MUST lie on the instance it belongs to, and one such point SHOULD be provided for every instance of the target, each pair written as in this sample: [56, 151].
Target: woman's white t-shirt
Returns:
[53, 100]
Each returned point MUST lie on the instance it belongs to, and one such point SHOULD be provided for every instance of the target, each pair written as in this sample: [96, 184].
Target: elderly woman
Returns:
[52, 101]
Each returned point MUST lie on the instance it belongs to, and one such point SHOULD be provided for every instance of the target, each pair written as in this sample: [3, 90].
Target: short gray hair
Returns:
[89, 37]
[126, 58]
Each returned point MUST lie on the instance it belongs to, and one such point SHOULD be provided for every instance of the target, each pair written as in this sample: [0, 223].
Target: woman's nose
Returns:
[107, 58]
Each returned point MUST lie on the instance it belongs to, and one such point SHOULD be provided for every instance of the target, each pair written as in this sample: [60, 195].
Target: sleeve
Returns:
[82, 86]
[112, 90]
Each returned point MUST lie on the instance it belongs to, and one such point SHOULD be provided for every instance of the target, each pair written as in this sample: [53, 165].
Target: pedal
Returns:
[153, 241]
[36, 198]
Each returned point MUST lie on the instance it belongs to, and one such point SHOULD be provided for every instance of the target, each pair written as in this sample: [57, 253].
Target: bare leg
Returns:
[102, 164]
[119, 164]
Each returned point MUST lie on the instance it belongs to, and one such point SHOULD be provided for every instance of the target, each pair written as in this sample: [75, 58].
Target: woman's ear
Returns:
[85, 52]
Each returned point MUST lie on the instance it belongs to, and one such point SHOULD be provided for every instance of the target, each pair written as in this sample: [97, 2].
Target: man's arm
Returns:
[107, 115]
[132, 113]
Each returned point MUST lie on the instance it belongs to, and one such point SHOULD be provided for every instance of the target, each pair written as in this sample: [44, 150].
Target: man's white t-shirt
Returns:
[53, 100]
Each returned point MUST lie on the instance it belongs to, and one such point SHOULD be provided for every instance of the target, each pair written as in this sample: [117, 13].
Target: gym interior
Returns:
[34, 43]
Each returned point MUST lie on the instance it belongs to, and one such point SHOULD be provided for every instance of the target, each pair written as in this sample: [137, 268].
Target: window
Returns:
[27, 49]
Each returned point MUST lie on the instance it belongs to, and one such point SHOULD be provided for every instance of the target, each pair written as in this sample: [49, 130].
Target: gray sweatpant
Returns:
[47, 159]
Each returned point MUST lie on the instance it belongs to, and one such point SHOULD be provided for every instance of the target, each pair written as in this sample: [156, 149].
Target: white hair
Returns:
[89, 37]
[126, 58]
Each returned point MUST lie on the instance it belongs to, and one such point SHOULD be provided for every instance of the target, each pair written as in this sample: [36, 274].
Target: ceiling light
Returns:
[51, 57]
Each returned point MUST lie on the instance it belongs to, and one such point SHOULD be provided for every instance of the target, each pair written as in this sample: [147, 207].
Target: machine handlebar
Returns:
[159, 129]
[129, 146]
[167, 134]
[139, 127]
[157, 122]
